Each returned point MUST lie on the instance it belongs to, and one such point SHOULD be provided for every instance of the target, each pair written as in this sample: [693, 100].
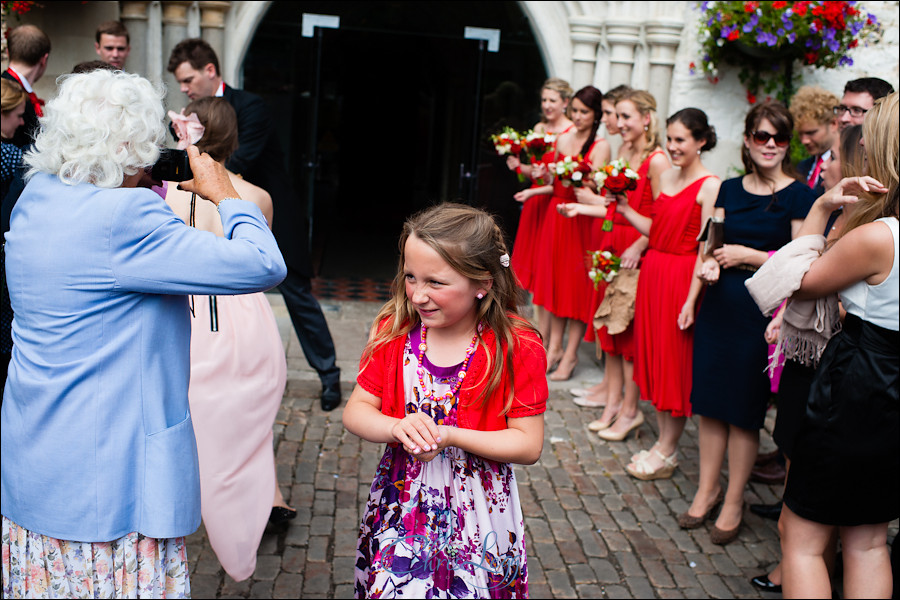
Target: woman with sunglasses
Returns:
[762, 211]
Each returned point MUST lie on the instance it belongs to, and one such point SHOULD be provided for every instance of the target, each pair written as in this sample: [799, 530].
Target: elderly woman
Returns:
[100, 480]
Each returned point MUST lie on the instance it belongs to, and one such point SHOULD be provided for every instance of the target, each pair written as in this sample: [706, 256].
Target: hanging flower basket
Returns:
[764, 39]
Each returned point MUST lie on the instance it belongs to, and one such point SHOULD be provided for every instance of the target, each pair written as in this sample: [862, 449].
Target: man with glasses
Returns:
[859, 96]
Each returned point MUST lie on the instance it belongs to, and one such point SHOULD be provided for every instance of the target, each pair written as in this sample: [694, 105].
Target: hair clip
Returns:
[188, 128]
[504, 260]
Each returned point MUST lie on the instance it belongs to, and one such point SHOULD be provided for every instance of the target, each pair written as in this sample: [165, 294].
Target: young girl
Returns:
[453, 380]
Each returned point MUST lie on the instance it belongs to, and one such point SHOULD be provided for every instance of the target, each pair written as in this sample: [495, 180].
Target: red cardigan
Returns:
[382, 376]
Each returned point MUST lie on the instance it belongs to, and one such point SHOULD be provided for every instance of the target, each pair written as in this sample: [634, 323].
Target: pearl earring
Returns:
[479, 295]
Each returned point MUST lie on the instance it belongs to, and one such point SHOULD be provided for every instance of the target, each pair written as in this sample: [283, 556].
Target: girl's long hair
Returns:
[880, 135]
[593, 99]
[470, 241]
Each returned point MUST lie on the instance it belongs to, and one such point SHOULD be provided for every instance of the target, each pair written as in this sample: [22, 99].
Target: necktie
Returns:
[814, 176]
[36, 102]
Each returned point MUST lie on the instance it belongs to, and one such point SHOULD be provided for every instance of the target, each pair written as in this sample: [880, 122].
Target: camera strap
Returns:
[213, 304]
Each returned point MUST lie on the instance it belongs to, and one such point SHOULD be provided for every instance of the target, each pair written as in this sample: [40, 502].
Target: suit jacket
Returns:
[24, 135]
[805, 167]
[259, 159]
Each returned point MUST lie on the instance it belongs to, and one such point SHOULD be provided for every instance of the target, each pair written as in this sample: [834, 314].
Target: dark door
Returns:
[393, 122]
[398, 117]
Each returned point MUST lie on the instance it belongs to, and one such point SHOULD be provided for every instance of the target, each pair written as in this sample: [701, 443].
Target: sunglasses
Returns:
[762, 138]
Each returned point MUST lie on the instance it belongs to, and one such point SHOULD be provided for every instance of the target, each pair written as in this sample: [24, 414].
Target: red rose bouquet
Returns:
[534, 146]
[509, 142]
[604, 266]
[571, 170]
[617, 178]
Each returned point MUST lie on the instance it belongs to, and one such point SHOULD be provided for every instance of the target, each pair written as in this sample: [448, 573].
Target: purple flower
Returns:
[812, 28]
[788, 24]
[855, 28]
[780, 33]
[747, 28]
[704, 6]
[873, 19]
[834, 45]
[845, 61]
[710, 22]
[792, 37]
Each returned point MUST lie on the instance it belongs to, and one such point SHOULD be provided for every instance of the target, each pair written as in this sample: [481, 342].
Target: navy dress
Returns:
[730, 352]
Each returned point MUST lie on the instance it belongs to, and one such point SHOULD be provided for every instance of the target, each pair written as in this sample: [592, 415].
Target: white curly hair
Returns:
[102, 126]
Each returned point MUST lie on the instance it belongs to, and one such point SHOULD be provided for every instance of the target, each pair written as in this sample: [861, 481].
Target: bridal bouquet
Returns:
[507, 142]
[571, 170]
[534, 146]
[604, 266]
[617, 178]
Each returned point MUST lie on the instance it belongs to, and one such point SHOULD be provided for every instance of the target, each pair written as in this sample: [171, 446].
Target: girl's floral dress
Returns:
[133, 566]
[449, 528]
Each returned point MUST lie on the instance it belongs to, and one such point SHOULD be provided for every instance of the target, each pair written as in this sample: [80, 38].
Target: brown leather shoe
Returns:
[771, 473]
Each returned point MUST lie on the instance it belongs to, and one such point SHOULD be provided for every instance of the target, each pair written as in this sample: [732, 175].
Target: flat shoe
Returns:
[689, 521]
[579, 392]
[762, 582]
[643, 471]
[618, 436]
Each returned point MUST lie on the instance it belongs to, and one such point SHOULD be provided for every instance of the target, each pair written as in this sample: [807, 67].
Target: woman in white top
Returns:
[845, 470]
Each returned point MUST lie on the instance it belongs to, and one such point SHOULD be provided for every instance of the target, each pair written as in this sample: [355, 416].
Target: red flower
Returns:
[853, 44]
[750, 6]
[779, 5]
[811, 57]
[734, 35]
[751, 98]
[800, 8]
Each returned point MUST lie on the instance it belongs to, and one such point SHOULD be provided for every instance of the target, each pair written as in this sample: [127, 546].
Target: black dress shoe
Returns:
[281, 515]
[767, 511]
[331, 396]
[761, 582]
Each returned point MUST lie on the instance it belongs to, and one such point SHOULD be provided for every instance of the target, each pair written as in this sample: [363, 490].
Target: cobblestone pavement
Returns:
[591, 530]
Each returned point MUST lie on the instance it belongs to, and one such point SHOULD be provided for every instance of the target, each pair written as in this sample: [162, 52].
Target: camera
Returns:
[173, 165]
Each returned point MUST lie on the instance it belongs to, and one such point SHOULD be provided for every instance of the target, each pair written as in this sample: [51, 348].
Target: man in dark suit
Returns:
[28, 48]
[817, 126]
[260, 160]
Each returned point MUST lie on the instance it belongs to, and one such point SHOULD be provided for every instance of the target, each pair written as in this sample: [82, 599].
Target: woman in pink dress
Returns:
[555, 97]
[668, 291]
[562, 285]
[238, 373]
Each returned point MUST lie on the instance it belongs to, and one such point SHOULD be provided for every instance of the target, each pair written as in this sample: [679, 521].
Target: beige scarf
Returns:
[808, 324]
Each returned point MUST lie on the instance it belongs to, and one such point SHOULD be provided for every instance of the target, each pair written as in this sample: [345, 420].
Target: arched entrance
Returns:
[390, 113]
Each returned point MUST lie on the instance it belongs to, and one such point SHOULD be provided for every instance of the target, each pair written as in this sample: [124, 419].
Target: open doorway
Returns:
[400, 111]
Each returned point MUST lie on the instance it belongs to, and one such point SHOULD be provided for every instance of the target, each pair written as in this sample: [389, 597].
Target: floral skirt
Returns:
[133, 566]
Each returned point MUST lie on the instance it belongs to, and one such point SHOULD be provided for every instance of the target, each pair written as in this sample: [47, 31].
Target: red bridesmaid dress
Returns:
[664, 359]
[529, 243]
[617, 241]
[562, 285]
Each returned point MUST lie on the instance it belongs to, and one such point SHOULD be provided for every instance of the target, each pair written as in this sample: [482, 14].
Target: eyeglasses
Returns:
[762, 138]
[854, 110]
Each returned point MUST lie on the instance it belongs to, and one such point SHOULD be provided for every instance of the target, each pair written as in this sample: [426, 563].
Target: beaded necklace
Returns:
[420, 370]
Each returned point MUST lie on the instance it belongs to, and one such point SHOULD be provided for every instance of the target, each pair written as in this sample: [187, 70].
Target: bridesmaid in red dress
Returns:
[555, 97]
[562, 285]
[668, 291]
[595, 395]
[638, 124]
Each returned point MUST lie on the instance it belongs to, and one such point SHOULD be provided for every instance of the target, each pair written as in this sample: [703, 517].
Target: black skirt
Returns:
[793, 391]
[845, 463]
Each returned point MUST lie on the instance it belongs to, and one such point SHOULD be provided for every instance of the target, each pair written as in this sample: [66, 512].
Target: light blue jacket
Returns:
[97, 438]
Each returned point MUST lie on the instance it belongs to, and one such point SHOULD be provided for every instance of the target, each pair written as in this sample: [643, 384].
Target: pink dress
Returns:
[238, 376]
